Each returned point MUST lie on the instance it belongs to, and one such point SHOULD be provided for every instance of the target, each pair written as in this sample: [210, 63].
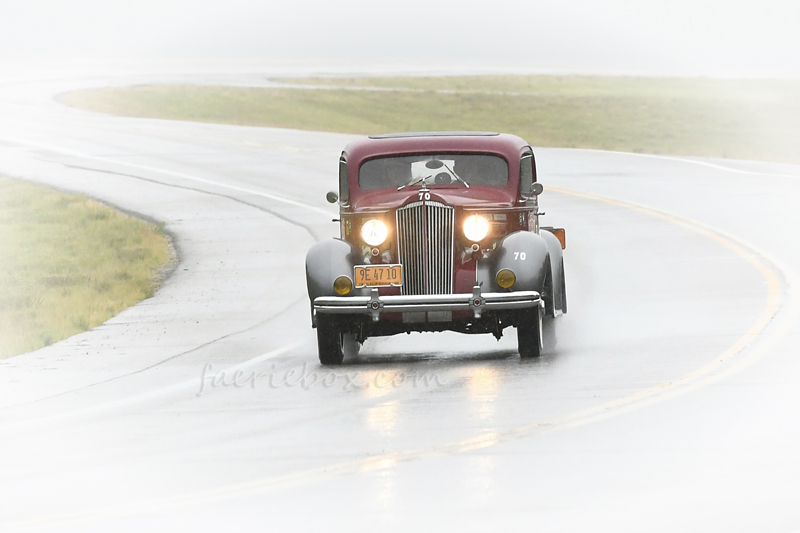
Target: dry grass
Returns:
[742, 119]
[68, 264]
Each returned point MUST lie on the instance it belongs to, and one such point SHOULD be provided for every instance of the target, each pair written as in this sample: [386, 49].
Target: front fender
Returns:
[559, 297]
[526, 254]
[326, 261]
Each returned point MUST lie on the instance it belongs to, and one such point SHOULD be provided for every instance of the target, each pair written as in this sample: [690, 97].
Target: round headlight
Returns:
[476, 228]
[374, 232]
[506, 278]
[342, 285]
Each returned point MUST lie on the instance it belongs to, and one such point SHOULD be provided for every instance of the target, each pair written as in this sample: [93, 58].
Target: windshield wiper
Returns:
[422, 179]
[453, 172]
[411, 184]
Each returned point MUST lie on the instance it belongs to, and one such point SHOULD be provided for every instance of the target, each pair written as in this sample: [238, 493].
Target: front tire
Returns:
[330, 341]
[529, 333]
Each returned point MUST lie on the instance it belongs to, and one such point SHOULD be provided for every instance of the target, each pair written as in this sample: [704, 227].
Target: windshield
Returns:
[432, 170]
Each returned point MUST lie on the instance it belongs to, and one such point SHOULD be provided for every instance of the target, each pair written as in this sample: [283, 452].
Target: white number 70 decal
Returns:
[519, 256]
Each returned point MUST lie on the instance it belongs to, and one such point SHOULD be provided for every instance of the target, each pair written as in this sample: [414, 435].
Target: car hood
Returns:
[476, 196]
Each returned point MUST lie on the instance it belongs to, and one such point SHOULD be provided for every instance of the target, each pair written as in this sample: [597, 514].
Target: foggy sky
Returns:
[710, 38]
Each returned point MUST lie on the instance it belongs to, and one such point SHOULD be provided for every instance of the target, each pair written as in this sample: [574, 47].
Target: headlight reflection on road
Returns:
[380, 464]
[384, 476]
[383, 418]
[378, 382]
[482, 384]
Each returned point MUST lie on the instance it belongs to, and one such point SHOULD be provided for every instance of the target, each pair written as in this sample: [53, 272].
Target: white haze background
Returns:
[733, 38]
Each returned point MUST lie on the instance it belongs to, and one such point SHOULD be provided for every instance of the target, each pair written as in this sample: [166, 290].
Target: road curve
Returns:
[669, 402]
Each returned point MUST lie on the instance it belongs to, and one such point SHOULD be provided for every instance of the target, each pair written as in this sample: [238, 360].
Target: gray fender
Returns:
[326, 261]
[524, 253]
[557, 272]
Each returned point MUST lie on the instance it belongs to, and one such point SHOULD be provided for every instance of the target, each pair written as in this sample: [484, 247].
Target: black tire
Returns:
[549, 336]
[529, 333]
[330, 341]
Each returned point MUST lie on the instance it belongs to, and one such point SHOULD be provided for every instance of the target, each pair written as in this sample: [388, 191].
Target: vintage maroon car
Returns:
[439, 231]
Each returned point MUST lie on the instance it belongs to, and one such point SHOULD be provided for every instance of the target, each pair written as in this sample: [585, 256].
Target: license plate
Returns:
[379, 275]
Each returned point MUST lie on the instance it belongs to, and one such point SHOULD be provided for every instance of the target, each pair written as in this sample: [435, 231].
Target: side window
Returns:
[526, 173]
[344, 187]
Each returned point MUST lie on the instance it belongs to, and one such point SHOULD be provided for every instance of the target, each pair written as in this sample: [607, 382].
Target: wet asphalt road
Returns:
[670, 401]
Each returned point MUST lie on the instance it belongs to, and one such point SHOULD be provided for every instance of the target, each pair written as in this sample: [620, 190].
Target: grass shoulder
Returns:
[69, 263]
[741, 119]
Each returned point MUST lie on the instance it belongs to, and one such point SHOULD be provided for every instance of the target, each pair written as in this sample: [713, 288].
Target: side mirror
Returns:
[332, 197]
[533, 191]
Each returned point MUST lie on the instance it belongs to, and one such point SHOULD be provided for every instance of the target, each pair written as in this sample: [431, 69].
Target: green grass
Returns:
[68, 264]
[742, 119]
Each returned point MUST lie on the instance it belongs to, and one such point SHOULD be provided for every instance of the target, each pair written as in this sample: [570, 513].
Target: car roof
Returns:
[435, 134]
[504, 144]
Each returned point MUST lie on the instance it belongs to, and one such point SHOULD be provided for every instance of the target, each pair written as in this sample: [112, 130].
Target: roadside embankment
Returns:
[69, 263]
[738, 119]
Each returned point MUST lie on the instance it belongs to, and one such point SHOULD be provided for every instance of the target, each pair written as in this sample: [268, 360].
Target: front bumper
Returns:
[476, 302]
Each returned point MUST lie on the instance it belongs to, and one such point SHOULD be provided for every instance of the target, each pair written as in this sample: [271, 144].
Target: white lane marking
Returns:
[194, 383]
[182, 175]
[706, 164]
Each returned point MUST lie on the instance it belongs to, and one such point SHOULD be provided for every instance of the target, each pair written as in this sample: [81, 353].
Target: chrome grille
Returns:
[425, 244]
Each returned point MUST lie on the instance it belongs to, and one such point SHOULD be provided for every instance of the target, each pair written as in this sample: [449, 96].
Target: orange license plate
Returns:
[379, 275]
